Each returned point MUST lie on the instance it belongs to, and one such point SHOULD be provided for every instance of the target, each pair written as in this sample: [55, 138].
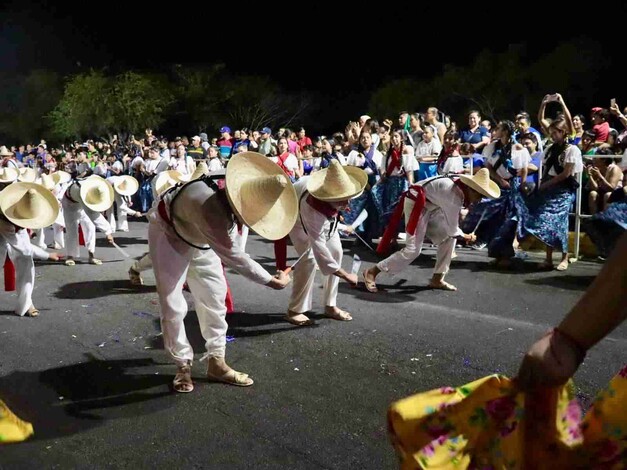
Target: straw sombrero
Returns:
[29, 205]
[28, 175]
[201, 170]
[97, 194]
[5, 152]
[61, 177]
[125, 185]
[261, 195]
[8, 175]
[337, 183]
[47, 181]
[482, 183]
[166, 179]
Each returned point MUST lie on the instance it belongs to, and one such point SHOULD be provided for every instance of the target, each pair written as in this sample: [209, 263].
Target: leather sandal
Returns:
[32, 312]
[135, 277]
[95, 261]
[303, 321]
[339, 314]
[182, 382]
[232, 377]
[70, 262]
[371, 286]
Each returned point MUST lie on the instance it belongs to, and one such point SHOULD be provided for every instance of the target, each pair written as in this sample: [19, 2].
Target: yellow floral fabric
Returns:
[12, 428]
[490, 424]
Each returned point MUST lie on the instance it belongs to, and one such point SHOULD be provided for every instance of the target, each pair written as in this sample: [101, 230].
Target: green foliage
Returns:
[96, 105]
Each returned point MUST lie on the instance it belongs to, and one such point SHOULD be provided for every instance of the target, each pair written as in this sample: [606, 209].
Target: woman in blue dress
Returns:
[606, 227]
[495, 222]
[548, 209]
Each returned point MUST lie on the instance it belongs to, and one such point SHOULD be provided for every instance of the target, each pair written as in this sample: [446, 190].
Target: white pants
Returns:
[431, 223]
[243, 237]
[17, 245]
[89, 220]
[305, 273]
[122, 211]
[174, 262]
[59, 237]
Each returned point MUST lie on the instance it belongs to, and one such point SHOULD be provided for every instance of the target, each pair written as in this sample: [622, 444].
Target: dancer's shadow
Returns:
[96, 289]
[122, 241]
[70, 399]
[564, 281]
[401, 293]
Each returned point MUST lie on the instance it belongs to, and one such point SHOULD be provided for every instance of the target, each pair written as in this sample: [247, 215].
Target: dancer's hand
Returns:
[550, 362]
[470, 237]
[279, 281]
[351, 278]
[55, 256]
[110, 239]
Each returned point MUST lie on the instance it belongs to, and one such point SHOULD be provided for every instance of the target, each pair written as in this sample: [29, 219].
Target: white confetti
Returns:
[296, 369]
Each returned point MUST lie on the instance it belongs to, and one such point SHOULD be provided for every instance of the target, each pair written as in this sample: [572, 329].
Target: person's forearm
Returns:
[604, 305]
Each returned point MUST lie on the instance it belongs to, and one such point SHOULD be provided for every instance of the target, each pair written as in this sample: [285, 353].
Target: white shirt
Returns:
[520, 159]
[453, 165]
[291, 162]
[201, 218]
[572, 155]
[443, 194]
[214, 164]
[318, 228]
[354, 159]
[428, 149]
[408, 162]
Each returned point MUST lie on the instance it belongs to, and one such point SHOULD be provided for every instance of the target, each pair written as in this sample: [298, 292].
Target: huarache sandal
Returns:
[232, 377]
[338, 314]
[298, 319]
[70, 262]
[32, 312]
[182, 382]
[371, 286]
[95, 261]
[135, 277]
[563, 266]
[442, 285]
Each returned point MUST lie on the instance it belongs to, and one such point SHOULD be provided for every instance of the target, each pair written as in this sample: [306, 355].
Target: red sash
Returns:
[394, 162]
[392, 229]
[281, 163]
[324, 208]
[9, 275]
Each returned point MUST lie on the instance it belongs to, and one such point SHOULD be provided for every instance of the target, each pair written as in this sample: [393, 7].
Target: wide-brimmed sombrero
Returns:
[28, 175]
[337, 183]
[5, 152]
[29, 205]
[201, 170]
[166, 179]
[47, 181]
[125, 185]
[8, 175]
[482, 183]
[97, 194]
[61, 176]
[261, 195]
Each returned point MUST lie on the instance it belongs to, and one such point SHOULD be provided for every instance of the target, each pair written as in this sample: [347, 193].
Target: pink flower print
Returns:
[449, 390]
[573, 412]
[502, 408]
[429, 449]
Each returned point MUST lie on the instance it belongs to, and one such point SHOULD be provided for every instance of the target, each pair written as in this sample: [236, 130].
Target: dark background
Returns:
[340, 53]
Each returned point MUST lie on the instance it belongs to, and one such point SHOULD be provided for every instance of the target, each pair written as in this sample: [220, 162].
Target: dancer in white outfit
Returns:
[432, 208]
[83, 202]
[321, 196]
[192, 231]
[163, 181]
[124, 186]
[56, 183]
[24, 206]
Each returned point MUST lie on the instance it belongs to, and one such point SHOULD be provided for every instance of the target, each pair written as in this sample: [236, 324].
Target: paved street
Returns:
[92, 376]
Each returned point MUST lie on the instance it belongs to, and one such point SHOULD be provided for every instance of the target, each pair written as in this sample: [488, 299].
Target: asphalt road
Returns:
[91, 375]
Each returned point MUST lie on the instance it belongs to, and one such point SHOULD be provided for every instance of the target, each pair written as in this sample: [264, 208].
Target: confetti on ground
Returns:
[429, 355]
[101, 345]
[296, 369]
[229, 339]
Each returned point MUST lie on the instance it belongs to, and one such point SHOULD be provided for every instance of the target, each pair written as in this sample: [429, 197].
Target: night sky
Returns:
[322, 48]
